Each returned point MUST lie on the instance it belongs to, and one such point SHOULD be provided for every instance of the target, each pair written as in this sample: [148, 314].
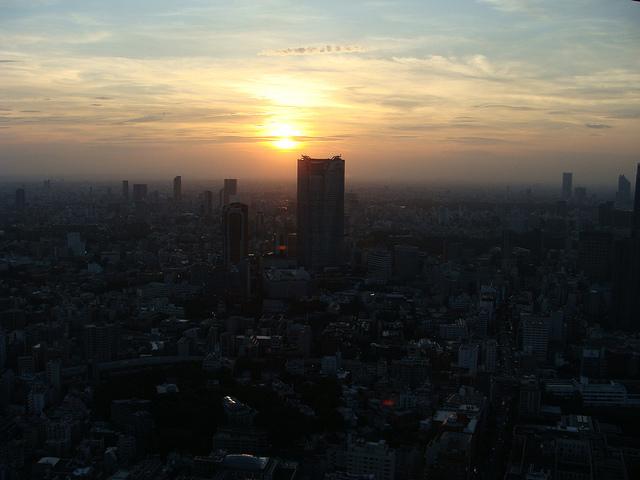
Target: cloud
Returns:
[145, 119]
[531, 7]
[6, 60]
[318, 50]
[523, 108]
[478, 140]
[474, 66]
[597, 125]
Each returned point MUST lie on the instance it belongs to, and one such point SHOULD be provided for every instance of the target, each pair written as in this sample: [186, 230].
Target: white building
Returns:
[371, 458]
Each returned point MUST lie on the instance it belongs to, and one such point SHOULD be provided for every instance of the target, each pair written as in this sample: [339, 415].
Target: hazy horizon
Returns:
[492, 91]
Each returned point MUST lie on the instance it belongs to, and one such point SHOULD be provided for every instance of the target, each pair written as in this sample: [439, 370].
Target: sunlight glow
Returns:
[284, 135]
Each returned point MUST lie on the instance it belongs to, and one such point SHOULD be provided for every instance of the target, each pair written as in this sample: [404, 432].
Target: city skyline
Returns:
[409, 91]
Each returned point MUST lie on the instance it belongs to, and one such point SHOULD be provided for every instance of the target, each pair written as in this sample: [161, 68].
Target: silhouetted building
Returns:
[21, 199]
[125, 189]
[177, 188]
[567, 185]
[623, 195]
[139, 192]
[100, 342]
[320, 212]
[235, 229]
[595, 253]
[626, 274]
[230, 189]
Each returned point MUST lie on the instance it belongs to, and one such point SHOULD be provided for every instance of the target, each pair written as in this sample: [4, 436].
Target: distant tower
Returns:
[139, 192]
[125, 189]
[235, 230]
[208, 203]
[177, 188]
[567, 185]
[320, 212]
[21, 199]
[623, 196]
[229, 190]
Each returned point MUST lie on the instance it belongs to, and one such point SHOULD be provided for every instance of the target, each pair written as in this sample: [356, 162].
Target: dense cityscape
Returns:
[214, 330]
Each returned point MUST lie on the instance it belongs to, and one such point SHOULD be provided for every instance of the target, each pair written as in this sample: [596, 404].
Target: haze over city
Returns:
[511, 90]
[356, 240]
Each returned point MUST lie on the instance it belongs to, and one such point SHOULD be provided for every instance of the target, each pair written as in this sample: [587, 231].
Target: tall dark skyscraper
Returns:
[125, 189]
[626, 273]
[21, 199]
[177, 188]
[567, 185]
[230, 188]
[235, 230]
[320, 212]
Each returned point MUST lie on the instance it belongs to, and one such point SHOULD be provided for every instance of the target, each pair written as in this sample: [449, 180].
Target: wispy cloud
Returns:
[597, 125]
[533, 7]
[314, 50]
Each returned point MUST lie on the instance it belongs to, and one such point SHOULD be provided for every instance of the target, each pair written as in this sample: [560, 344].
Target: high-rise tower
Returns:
[235, 229]
[626, 274]
[228, 191]
[177, 188]
[320, 212]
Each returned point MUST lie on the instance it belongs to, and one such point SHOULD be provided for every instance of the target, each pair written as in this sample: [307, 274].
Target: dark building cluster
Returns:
[321, 333]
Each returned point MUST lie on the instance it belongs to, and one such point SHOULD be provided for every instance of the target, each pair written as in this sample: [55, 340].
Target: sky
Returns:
[477, 91]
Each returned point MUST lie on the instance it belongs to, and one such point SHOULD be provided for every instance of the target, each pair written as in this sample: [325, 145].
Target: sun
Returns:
[285, 143]
[283, 135]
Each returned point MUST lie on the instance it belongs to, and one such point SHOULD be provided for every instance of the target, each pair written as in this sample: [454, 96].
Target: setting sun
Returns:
[283, 135]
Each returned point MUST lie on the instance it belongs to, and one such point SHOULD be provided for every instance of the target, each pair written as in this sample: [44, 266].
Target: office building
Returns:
[100, 342]
[371, 458]
[595, 253]
[379, 265]
[320, 212]
[125, 189]
[567, 185]
[490, 353]
[235, 230]
[529, 397]
[53, 371]
[139, 192]
[177, 188]
[228, 191]
[534, 333]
